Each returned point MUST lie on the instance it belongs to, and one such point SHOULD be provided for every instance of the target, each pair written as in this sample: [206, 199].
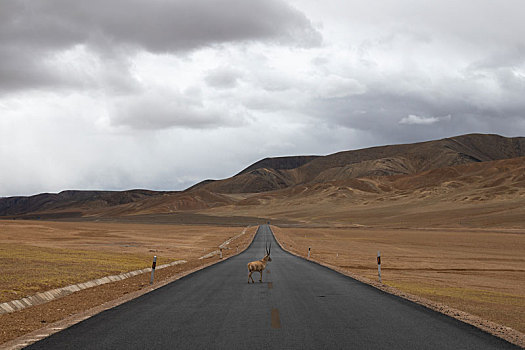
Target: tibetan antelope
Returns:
[259, 265]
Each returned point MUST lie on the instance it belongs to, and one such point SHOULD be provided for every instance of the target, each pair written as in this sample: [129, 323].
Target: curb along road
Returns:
[44, 297]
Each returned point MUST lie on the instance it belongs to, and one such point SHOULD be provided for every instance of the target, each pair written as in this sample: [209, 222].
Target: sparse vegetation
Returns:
[179, 242]
[27, 270]
[37, 256]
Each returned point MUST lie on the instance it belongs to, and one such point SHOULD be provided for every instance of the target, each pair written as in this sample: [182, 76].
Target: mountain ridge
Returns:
[276, 174]
[375, 161]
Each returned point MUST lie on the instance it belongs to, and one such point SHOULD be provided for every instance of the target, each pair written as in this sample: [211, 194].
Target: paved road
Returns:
[300, 305]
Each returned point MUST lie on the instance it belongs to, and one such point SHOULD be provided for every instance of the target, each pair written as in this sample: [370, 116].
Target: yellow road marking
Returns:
[276, 321]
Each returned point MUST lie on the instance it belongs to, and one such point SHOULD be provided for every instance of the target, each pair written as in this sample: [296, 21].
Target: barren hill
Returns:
[464, 169]
[278, 173]
[72, 201]
[474, 194]
[279, 163]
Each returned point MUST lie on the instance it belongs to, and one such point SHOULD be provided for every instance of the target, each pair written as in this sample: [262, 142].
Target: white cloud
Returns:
[337, 87]
[223, 78]
[414, 119]
[167, 109]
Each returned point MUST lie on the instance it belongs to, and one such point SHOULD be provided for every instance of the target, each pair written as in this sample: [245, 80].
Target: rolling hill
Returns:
[464, 170]
[72, 201]
[278, 173]
[475, 195]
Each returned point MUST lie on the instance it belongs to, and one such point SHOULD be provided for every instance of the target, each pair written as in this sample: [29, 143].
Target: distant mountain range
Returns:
[370, 170]
[277, 173]
[67, 199]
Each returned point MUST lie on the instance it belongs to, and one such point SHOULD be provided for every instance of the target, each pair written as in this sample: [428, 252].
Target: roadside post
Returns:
[309, 248]
[153, 269]
[220, 249]
[379, 265]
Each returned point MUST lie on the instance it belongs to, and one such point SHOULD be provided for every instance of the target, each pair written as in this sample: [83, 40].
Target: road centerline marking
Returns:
[276, 320]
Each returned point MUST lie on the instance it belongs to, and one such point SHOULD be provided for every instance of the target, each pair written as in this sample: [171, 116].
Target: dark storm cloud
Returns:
[19, 69]
[30, 29]
[395, 116]
[33, 30]
[156, 25]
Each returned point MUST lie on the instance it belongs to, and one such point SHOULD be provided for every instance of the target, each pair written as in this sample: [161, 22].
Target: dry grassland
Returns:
[169, 242]
[479, 271]
[37, 256]
[27, 270]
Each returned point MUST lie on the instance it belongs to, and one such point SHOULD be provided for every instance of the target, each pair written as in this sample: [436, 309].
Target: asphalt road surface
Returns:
[299, 305]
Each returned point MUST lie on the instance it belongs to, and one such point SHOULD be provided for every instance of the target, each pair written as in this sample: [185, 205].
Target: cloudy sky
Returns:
[159, 94]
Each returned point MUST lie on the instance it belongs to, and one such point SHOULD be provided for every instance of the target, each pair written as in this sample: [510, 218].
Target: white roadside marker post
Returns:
[309, 252]
[379, 265]
[220, 249]
[153, 269]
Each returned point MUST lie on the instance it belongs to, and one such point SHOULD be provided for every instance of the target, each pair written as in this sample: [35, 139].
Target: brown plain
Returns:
[38, 256]
[122, 241]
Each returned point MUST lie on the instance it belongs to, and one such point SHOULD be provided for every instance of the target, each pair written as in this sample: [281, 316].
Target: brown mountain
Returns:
[278, 173]
[279, 163]
[72, 201]
[476, 194]
[381, 173]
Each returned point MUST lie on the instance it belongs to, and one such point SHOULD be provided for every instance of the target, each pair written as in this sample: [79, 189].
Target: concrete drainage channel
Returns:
[57, 326]
[44, 297]
[224, 245]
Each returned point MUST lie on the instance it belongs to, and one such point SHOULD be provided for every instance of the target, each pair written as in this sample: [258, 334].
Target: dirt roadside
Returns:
[511, 335]
[24, 327]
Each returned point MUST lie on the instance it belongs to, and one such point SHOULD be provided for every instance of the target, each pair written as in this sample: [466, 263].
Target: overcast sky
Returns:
[158, 94]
